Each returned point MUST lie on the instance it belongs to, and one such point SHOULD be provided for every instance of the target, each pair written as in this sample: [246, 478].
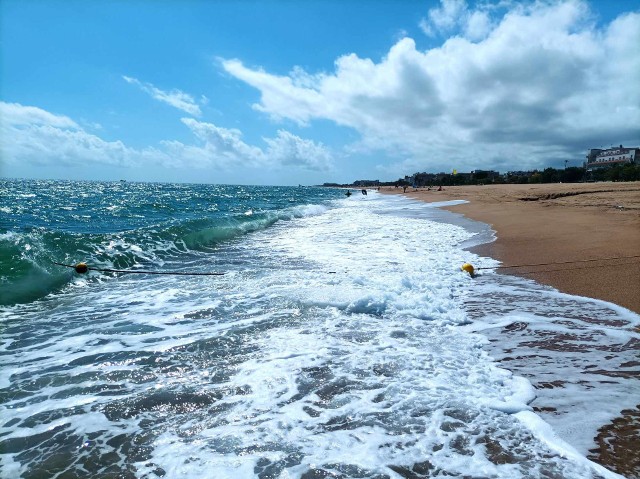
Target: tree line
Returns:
[573, 174]
[627, 172]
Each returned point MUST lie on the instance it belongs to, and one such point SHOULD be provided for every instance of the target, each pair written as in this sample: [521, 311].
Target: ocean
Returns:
[342, 341]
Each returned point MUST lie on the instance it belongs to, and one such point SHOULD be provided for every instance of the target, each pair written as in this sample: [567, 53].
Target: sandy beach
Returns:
[552, 223]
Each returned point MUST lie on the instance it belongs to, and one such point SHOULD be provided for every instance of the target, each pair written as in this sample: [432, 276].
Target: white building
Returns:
[612, 156]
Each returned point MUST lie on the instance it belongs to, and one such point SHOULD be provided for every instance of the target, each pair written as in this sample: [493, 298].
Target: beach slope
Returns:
[554, 223]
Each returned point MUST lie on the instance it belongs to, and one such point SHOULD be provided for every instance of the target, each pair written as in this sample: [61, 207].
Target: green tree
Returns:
[572, 174]
[550, 175]
[535, 178]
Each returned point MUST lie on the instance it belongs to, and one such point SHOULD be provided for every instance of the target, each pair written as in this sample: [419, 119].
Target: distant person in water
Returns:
[348, 193]
[364, 192]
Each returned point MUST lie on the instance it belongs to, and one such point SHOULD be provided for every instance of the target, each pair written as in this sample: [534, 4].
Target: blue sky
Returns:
[307, 92]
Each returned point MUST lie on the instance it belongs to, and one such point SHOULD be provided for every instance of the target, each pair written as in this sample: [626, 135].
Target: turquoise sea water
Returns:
[121, 225]
[342, 341]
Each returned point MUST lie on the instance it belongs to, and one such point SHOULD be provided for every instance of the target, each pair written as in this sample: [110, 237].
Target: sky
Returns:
[308, 92]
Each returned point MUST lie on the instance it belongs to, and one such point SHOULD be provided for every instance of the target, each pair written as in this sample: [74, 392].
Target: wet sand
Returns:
[555, 223]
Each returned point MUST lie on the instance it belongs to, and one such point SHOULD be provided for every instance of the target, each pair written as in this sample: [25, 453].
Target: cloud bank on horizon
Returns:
[511, 86]
[41, 138]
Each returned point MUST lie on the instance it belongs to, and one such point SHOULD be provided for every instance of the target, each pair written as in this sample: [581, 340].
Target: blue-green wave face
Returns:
[127, 225]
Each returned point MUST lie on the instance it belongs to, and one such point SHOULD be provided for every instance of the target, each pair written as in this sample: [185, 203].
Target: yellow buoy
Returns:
[468, 268]
[81, 268]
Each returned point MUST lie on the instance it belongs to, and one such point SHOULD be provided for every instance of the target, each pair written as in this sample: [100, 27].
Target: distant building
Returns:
[427, 179]
[423, 179]
[519, 173]
[612, 156]
[464, 176]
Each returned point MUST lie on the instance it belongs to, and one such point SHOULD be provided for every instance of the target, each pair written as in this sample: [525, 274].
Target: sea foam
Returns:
[342, 341]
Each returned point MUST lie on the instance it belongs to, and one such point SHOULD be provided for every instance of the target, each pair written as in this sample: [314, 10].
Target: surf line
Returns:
[82, 268]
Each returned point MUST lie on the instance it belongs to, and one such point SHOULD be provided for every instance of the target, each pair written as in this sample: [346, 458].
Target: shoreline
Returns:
[553, 223]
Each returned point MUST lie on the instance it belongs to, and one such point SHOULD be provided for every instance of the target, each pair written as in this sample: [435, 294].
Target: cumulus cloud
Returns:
[286, 149]
[537, 83]
[30, 135]
[176, 98]
[477, 25]
[225, 145]
[291, 150]
[17, 115]
[454, 16]
[446, 17]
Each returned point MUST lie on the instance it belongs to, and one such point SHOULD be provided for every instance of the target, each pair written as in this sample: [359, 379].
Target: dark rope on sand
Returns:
[128, 271]
[559, 270]
[560, 262]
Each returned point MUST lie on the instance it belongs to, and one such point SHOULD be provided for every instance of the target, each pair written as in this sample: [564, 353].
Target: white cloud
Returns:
[18, 115]
[280, 94]
[225, 145]
[286, 149]
[448, 15]
[291, 150]
[176, 98]
[542, 84]
[33, 136]
[454, 17]
[478, 26]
